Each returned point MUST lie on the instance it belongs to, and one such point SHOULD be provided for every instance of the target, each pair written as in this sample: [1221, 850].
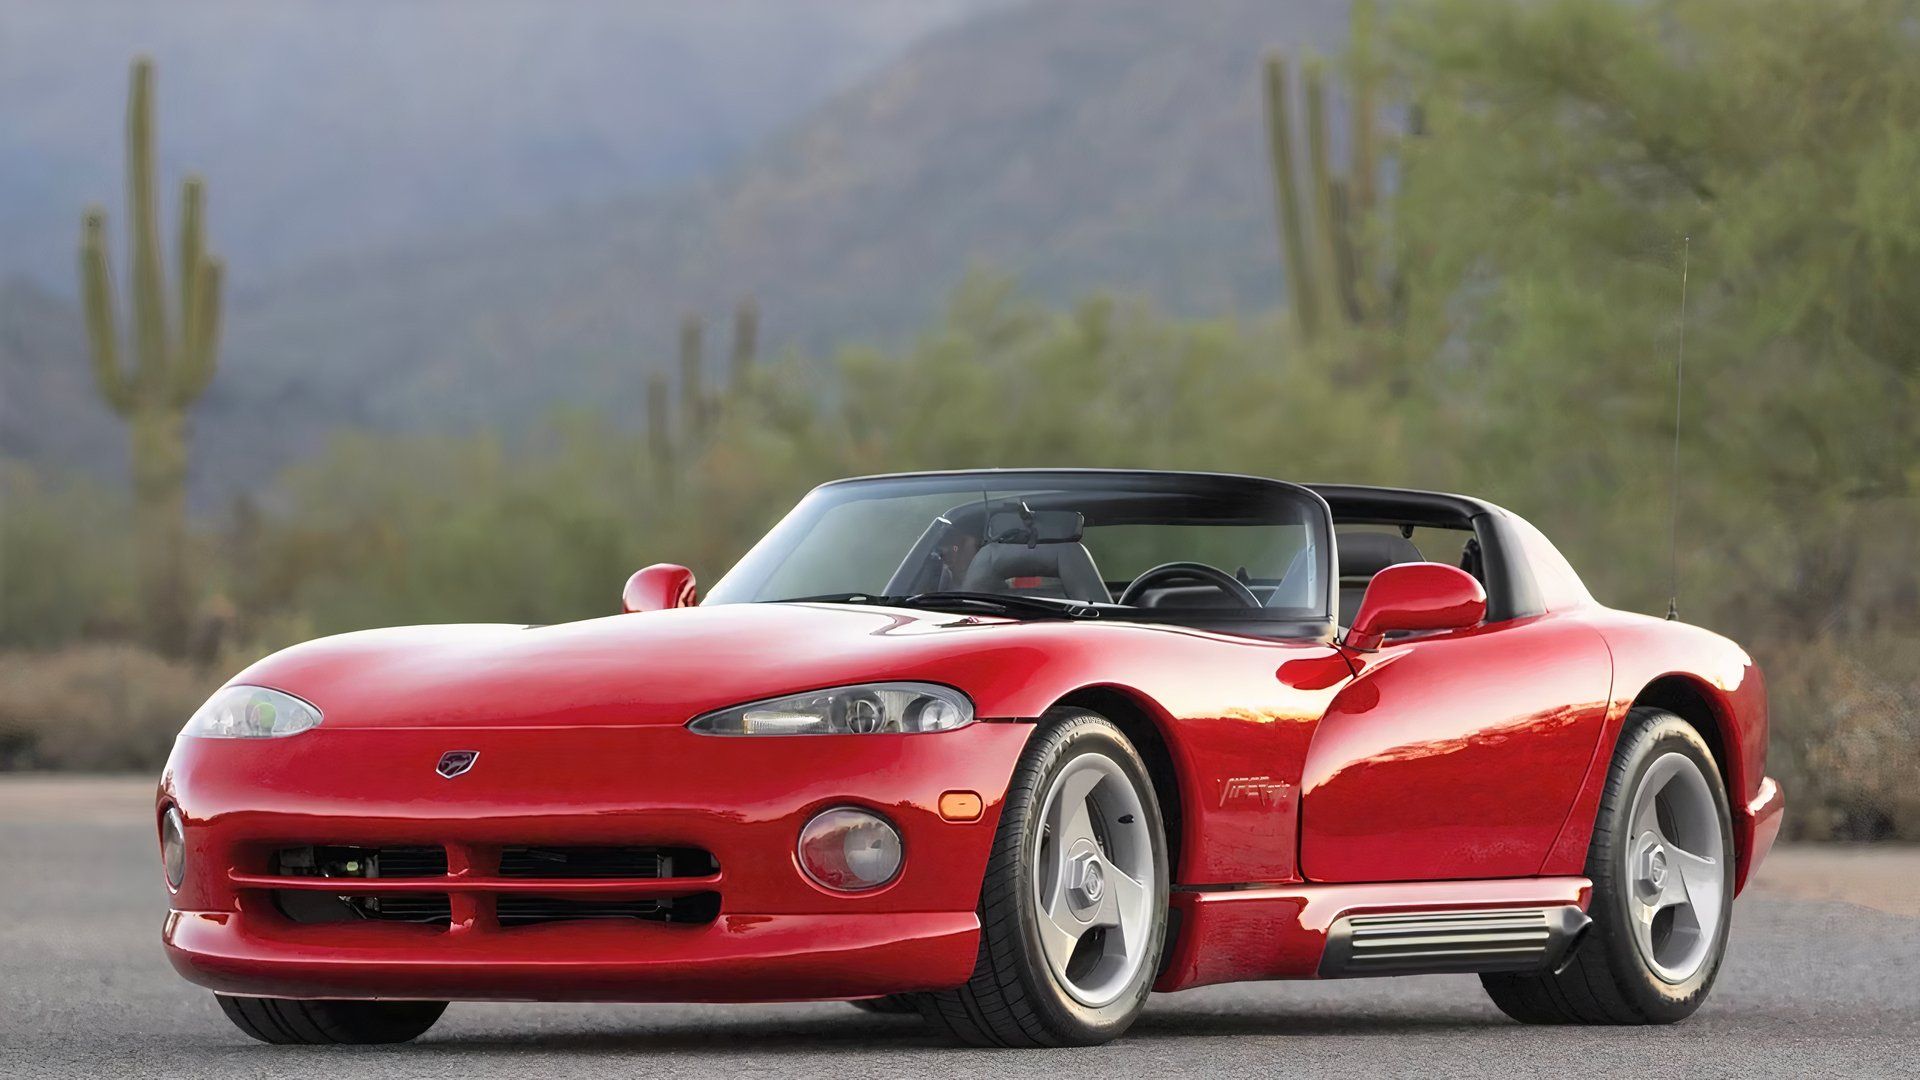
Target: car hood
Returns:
[662, 667]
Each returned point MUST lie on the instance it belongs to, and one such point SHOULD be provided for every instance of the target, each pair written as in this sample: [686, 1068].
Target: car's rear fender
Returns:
[1708, 681]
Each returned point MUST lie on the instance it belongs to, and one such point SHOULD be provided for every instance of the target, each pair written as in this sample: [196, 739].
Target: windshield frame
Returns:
[1313, 622]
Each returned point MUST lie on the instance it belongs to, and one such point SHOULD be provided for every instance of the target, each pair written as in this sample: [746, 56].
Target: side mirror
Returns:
[1416, 596]
[659, 587]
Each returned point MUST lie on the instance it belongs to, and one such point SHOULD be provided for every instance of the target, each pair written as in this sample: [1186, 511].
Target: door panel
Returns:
[1455, 755]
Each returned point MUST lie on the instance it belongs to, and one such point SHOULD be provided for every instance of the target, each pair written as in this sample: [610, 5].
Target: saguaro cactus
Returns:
[693, 387]
[1330, 280]
[1286, 197]
[660, 429]
[672, 443]
[746, 339]
[173, 360]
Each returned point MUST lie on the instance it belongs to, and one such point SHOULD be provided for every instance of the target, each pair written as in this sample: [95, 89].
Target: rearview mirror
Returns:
[659, 587]
[1032, 527]
[1416, 596]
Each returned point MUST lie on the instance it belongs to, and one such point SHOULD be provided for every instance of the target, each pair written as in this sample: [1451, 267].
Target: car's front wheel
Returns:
[286, 1021]
[1074, 907]
[1662, 870]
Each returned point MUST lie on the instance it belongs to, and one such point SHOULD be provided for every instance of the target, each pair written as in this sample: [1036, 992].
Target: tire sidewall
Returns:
[1650, 736]
[1068, 737]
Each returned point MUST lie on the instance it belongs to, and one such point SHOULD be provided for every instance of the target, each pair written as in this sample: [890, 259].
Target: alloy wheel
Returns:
[1676, 894]
[1094, 880]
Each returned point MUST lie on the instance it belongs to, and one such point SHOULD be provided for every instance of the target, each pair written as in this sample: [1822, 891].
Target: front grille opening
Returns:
[349, 863]
[355, 862]
[605, 862]
[536, 910]
[341, 860]
[313, 908]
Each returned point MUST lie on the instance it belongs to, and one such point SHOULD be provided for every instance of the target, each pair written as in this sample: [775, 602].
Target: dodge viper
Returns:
[1007, 749]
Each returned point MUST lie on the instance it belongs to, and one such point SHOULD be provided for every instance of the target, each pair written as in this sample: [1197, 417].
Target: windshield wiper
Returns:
[952, 599]
[1002, 603]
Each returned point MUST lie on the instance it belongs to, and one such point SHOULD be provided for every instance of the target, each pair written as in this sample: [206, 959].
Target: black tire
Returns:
[1606, 981]
[1013, 998]
[891, 1005]
[287, 1022]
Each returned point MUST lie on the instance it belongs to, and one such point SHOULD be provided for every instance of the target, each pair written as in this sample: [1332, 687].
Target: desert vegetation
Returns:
[1484, 282]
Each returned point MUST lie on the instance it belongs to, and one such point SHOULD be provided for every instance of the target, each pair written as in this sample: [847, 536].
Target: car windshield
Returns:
[1179, 547]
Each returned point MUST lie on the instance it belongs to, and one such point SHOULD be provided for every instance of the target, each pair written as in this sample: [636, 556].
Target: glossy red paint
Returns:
[1454, 755]
[659, 587]
[1236, 712]
[1459, 767]
[1655, 660]
[736, 958]
[1279, 932]
[1416, 596]
[743, 800]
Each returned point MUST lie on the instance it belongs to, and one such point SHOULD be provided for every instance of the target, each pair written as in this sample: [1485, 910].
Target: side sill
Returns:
[1239, 934]
[1524, 939]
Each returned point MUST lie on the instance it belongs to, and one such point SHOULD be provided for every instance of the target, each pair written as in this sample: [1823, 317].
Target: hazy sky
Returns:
[330, 126]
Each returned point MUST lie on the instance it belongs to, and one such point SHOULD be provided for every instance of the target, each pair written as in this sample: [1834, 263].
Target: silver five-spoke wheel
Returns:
[1073, 907]
[1674, 868]
[1093, 880]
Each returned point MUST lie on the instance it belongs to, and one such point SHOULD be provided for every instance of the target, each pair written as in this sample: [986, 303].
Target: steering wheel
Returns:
[1190, 571]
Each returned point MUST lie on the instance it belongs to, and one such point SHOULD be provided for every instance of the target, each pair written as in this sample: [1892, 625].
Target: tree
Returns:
[1572, 145]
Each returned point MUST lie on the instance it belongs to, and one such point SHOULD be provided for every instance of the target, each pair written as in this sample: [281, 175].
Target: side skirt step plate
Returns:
[1428, 942]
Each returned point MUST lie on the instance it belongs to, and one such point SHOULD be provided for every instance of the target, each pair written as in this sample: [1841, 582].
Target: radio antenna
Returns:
[1679, 390]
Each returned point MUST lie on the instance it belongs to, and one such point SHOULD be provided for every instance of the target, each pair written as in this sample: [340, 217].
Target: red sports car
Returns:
[1011, 749]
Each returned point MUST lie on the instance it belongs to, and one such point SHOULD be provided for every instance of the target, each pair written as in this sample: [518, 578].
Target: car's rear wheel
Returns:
[1074, 907]
[285, 1021]
[1662, 870]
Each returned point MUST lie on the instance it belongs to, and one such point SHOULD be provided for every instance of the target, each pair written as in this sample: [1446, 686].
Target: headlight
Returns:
[173, 847]
[873, 709]
[251, 712]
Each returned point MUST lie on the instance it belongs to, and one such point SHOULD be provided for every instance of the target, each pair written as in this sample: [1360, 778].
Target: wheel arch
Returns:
[1708, 711]
[1144, 725]
[1694, 701]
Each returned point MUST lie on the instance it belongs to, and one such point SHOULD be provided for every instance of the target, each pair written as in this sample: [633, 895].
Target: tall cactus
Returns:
[660, 429]
[1330, 280]
[173, 360]
[746, 339]
[669, 443]
[1286, 197]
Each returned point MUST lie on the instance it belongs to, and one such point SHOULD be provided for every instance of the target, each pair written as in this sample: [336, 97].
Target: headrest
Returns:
[1363, 555]
[1019, 560]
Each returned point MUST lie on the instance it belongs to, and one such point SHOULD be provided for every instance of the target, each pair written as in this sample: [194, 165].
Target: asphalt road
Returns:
[1813, 987]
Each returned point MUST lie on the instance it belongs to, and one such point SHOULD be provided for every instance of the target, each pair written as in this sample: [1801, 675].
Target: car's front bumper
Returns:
[735, 958]
[777, 936]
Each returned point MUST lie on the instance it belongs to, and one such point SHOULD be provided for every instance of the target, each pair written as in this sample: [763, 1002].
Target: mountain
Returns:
[48, 411]
[331, 126]
[1078, 144]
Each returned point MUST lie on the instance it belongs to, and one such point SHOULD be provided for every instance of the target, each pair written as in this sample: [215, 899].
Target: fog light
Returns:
[850, 850]
[173, 846]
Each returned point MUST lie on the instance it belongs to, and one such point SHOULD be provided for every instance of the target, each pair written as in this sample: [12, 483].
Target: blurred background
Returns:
[320, 316]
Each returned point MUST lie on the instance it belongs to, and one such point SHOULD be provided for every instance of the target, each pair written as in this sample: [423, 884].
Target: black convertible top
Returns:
[1513, 586]
[1513, 589]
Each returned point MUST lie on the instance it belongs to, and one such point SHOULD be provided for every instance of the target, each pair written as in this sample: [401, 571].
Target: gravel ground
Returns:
[1823, 979]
